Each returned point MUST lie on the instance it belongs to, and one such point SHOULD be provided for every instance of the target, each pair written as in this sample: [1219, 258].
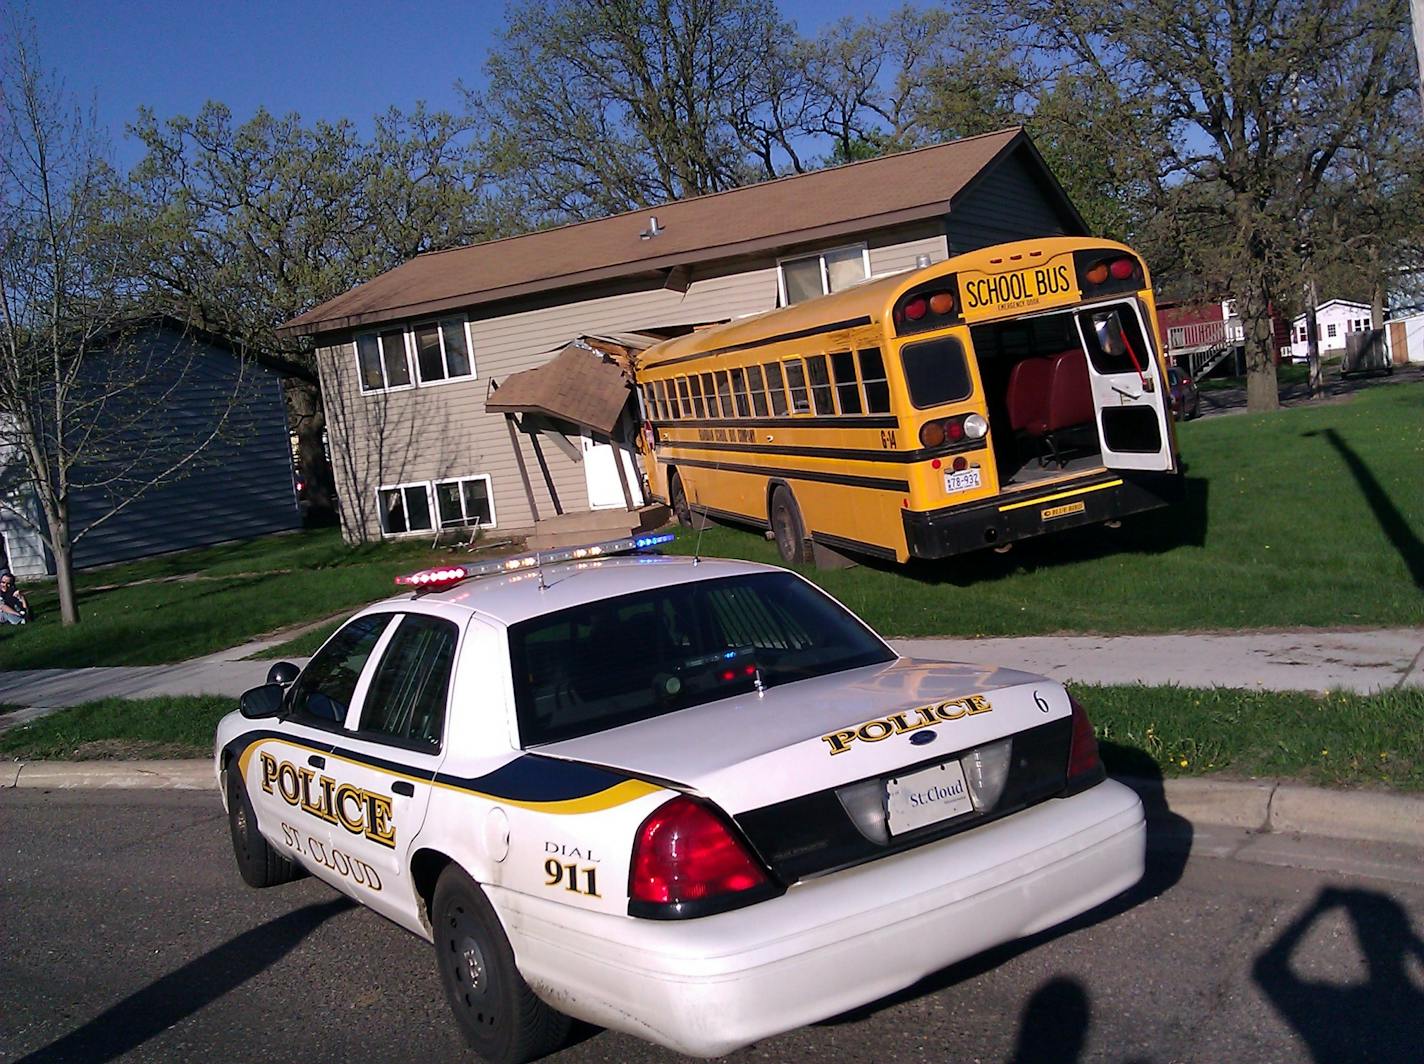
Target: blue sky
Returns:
[320, 58]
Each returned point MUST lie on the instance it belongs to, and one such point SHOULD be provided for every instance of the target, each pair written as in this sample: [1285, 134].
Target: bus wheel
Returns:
[786, 526]
[681, 508]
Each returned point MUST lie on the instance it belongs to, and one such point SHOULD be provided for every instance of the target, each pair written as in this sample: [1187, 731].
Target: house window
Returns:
[383, 360]
[442, 350]
[1330, 329]
[808, 276]
[405, 508]
[465, 501]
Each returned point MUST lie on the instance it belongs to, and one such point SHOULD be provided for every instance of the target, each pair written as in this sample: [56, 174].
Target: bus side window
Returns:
[709, 389]
[778, 392]
[695, 386]
[724, 392]
[758, 389]
[820, 384]
[796, 384]
[659, 394]
[872, 375]
[739, 391]
[684, 400]
[847, 387]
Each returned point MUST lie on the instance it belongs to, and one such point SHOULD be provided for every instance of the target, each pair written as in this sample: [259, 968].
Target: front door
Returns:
[1129, 392]
[601, 475]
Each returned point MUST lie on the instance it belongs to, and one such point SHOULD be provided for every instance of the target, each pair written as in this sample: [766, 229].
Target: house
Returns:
[1336, 319]
[408, 359]
[1406, 339]
[1199, 337]
[241, 484]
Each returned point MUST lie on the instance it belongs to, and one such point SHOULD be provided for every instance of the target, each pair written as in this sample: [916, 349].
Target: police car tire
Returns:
[257, 862]
[502, 1020]
[787, 527]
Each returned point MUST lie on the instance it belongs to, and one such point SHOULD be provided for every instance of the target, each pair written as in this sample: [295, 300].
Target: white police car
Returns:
[697, 801]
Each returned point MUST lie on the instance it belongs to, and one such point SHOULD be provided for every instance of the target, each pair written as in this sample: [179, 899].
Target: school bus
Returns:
[1001, 394]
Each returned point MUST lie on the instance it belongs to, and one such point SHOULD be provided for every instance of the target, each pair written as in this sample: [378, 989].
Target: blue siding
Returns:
[1008, 202]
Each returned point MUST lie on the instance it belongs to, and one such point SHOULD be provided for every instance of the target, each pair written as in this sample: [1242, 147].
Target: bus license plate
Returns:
[926, 797]
[963, 480]
[988, 295]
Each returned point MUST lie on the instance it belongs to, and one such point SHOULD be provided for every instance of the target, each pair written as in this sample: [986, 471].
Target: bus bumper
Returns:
[1006, 519]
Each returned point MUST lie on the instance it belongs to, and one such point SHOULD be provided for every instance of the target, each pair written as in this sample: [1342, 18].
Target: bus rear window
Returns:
[936, 372]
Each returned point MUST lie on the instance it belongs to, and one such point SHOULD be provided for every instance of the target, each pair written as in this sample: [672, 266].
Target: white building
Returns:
[1336, 319]
[1406, 339]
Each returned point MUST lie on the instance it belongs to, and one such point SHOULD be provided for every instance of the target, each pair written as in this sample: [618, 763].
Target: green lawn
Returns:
[1340, 740]
[1312, 517]
[198, 602]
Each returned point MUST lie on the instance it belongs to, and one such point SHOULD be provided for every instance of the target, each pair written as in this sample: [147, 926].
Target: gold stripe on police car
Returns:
[1045, 284]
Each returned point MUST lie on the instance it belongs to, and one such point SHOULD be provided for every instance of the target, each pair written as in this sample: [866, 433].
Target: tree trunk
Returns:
[1261, 388]
[308, 417]
[64, 565]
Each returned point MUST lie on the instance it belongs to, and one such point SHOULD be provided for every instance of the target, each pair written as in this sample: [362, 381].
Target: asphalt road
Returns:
[128, 935]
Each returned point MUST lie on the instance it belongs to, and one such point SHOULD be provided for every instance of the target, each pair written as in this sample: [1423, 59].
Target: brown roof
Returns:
[577, 385]
[826, 203]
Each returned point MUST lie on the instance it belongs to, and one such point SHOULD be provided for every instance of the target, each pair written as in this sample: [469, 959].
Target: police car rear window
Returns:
[619, 660]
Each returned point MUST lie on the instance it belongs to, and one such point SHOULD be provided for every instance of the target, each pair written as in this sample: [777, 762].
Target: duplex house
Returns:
[408, 359]
[1336, 319]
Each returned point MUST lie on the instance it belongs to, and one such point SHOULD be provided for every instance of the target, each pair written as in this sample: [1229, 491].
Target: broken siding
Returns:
[1007, 203]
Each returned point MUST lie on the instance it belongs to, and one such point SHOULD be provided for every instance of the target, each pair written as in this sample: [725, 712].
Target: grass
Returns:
[122, 728]
[1339, 740]
[303, 646]
[196, 602]
[1287, 373]
[1307, 517]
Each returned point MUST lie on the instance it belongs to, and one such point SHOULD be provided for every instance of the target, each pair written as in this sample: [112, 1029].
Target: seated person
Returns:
[13, 607]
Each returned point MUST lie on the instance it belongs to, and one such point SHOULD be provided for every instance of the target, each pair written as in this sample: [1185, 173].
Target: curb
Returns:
[1264, 806]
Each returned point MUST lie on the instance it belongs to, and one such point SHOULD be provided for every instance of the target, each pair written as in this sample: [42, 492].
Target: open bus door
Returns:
[1129, 393]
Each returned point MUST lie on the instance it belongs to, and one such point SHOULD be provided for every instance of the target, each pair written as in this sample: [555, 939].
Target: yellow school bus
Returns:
[1000, 394]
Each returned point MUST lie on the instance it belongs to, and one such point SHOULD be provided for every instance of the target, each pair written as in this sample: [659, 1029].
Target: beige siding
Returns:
[433, 432]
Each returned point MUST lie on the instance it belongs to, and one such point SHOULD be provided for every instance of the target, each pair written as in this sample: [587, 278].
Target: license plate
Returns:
[964, 480]
[926, 797]
[988, 295]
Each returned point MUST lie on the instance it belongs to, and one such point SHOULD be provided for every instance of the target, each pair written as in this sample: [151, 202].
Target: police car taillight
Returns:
[449, 575]
[1085, 767]
[689, 861]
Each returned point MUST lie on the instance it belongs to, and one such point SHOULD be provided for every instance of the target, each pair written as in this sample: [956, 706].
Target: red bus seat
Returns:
[1070, 394]
[1027, 396]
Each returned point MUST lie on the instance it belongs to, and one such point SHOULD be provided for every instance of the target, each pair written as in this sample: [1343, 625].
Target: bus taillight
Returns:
[1107, 271]
[955, 429]
[932, 305]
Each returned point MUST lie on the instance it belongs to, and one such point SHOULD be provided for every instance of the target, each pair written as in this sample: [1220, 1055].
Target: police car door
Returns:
[285, 768]
[1129, 393]
[391, 750]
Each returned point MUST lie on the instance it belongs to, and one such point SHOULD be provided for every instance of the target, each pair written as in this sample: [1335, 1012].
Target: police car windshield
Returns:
[618, 660]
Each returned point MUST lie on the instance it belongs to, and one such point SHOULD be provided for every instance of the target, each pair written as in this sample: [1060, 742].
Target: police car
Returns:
[695, 800]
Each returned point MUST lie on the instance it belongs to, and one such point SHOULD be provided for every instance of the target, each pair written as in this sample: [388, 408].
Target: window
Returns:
[820, 384]
[796, 384]
[724, 391]
[694, 384]
[684, 400]
[739, 392]
[935, 372]
[758, 390]
[1330, 329]
[847, 388]
[808, 276]
[778, 391]
[464, 502]
[383, 360]
[322, 693]
[405, 508]
[442, 351]
[872, 375]
[709, 389]
[406, 700]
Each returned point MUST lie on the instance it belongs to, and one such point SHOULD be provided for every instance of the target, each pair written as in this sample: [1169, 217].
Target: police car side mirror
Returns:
[284, 672]
[264, 701]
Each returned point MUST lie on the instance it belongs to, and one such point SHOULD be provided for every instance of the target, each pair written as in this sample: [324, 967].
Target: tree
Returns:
[83, 402]
[1253, 102]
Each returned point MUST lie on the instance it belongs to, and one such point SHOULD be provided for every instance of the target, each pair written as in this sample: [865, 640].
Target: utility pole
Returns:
[1312, 337]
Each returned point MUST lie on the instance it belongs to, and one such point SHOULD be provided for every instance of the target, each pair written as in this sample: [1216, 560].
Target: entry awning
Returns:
[576, 386]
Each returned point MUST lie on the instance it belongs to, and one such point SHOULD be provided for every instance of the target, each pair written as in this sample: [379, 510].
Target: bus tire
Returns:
[681, 508]
[787, 527]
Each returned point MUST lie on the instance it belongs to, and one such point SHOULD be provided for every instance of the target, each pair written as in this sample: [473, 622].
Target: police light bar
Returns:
[449, 575]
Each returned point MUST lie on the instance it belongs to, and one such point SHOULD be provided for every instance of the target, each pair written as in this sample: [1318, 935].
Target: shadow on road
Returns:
[1055, 1023]
[177, 995]
[1391, 521]
[1381, 1018]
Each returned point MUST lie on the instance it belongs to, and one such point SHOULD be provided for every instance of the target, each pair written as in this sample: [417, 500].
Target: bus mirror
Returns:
[1109, 336]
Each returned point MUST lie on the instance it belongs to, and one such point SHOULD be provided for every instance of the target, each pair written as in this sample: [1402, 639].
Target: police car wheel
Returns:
[786, 525]
[258, 864]
[502, 1019]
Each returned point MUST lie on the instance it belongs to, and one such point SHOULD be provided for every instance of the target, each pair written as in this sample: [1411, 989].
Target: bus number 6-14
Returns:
[569, 875]
[887, 440]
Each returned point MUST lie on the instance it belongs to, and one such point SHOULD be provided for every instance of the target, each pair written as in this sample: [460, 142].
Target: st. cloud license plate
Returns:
[926, 797]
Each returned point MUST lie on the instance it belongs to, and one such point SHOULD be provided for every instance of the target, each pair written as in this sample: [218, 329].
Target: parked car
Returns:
[1182, 391]
[698, 801]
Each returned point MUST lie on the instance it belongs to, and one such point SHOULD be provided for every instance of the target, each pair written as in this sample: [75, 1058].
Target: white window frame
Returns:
[430, 508]
[444, 359]
[493, 522]
[412, 362]
[862, 247]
